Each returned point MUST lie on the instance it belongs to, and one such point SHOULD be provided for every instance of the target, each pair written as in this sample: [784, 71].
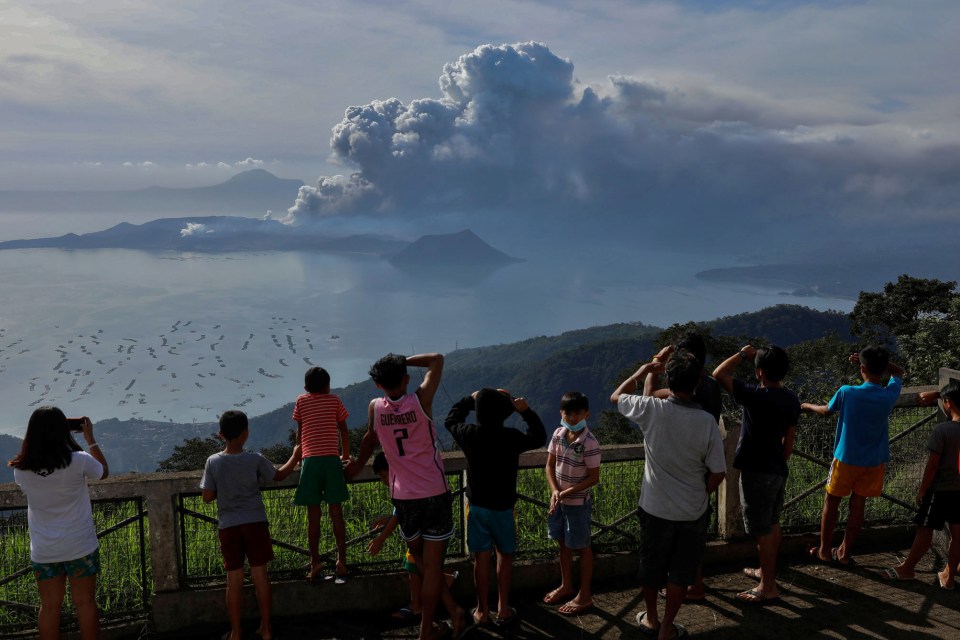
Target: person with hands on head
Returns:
[684, 463]
[938, 495]
[573, 466]
[492, 451]
[402, 424]
[53, 471]
[861, 449]
[770, 416]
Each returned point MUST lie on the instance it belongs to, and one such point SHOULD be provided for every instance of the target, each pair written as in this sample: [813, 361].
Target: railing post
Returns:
[729, 511]
[162, 515]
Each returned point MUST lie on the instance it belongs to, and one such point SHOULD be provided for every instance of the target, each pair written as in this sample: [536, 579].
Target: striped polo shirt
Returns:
[318, 415]
[573, 461]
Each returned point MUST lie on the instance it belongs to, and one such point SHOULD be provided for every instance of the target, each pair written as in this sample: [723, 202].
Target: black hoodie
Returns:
[492, 450]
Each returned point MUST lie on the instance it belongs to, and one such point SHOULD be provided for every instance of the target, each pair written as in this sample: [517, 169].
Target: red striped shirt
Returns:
[318, 415]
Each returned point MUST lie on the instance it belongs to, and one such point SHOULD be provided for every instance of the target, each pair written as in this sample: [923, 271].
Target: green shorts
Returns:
[321, 480]
[88, 565]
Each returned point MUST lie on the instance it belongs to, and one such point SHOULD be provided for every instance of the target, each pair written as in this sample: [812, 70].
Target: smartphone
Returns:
[75, 424]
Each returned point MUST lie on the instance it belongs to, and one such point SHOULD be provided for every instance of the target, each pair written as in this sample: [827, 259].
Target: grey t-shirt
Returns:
[682, 444]
[236, 477]
[945, 440]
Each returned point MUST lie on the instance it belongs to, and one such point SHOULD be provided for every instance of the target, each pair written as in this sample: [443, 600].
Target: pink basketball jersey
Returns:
[410, 444]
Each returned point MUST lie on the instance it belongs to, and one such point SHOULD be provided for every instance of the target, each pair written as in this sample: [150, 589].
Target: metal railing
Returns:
[122, 530]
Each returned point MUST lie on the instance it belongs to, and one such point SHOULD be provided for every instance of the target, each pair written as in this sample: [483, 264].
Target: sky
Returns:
[787, 112]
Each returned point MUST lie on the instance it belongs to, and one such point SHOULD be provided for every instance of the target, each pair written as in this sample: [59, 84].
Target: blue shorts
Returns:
[487, 529]
[88, 565]
[570, 524]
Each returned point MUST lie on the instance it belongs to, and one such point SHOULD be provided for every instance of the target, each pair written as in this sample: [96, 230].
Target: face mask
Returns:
[576, 428]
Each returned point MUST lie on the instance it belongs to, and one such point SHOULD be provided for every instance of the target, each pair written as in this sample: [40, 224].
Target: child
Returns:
[684, 464]
[322, 434]
[387, 525]
[493, 460]
[232, 478]
[770, 416]
[862, 447]
[939, 494]
[573, 466]
[402, 424]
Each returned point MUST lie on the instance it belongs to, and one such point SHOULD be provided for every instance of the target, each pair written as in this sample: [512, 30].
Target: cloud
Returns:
[146, 164]
[249, 163]
[513, 131]
[194, 229]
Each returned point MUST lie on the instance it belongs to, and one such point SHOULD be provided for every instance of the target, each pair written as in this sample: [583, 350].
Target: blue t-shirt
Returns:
[862, 426]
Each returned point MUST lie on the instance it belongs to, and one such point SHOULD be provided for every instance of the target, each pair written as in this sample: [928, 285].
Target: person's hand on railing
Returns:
[375, 545]
[928, 398]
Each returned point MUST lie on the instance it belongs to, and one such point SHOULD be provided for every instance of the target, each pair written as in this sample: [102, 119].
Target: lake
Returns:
[183, 337]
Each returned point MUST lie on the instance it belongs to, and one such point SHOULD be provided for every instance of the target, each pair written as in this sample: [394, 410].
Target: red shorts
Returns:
[251, 540]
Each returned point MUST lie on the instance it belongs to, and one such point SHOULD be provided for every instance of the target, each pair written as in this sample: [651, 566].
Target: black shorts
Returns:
[429, 518]
[670, 550]
[938, 508]
[761, 496]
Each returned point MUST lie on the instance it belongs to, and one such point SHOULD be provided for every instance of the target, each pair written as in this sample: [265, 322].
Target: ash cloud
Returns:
[514, 131]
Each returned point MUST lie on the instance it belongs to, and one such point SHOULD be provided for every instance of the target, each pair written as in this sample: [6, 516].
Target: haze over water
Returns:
[183, 337]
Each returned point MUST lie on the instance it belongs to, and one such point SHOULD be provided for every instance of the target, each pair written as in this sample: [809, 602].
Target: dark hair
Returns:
[48, 445]
[574, 401]
[683, 371]
[693, 342]
[316, 380]
[388, 371]
[233, 424]
[774, 362]
[380, 462]
[875, 359]
[951, 392]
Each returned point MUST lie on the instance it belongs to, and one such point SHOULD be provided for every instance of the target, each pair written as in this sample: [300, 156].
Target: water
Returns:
[183, 337]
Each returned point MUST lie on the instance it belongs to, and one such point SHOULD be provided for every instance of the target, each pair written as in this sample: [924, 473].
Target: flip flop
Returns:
[507, 621]
[644, 629]
[556, 596]
[405, 614]
[891, 574]
[837, 562]
[946, 586]
[814, 554]
[574, 608]
[756, 598]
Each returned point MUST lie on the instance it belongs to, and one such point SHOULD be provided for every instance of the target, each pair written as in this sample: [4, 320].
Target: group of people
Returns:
[684, 463]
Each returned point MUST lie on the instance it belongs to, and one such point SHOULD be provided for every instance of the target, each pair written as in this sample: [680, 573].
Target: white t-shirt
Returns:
[58, 510]
[682, 444]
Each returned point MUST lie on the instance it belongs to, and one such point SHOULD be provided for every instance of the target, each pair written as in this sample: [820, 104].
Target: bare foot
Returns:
[480, 617]
[751, 572]
[557, 596]
[458, 619]
[946, 580]
[342, 568]
[315, 572]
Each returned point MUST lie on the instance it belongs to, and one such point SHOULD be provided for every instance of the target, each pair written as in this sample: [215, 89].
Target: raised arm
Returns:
[457, 417]
[895, 370]
[93, 448]
[431, 380]
[634, 382]
[536, 434]
[723, 374]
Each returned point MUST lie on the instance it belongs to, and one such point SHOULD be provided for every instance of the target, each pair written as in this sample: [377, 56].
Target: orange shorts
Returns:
[845, 479]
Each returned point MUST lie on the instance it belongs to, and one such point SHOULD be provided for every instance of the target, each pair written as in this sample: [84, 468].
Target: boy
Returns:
[939, 494]
[862, 447]
[493, 460]
[387, 525]
[770, 416]
[322, 434]
[232, 478]
[573, 466]
[402, 424]
[684, 464]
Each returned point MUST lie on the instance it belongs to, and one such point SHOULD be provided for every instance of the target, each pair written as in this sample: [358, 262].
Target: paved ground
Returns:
[818, 602]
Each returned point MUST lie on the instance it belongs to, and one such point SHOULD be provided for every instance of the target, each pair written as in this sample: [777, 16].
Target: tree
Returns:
[192, 454]
[281, 451]
[917, 317]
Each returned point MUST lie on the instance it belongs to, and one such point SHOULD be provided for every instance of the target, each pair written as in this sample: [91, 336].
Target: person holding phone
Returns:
[53, 470]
